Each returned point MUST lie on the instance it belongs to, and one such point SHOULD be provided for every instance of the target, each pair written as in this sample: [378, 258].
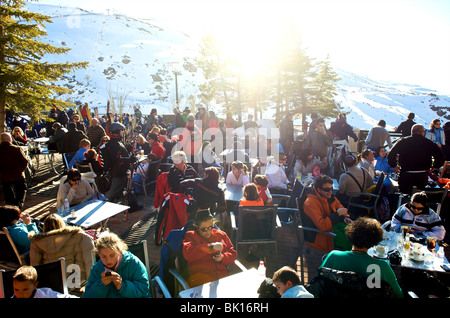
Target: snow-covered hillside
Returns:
[132, 60]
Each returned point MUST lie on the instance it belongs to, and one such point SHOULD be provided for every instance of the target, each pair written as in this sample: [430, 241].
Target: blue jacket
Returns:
[383, 165]
[19, 235]
[79, 157]
[135, 282]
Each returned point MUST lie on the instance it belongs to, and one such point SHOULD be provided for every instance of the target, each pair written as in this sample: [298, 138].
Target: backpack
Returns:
[383, 209]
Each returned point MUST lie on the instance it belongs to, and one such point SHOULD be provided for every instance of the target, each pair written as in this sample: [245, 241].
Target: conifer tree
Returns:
[25, 79]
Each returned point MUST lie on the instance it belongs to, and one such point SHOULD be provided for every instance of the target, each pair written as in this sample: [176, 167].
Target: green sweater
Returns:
[359, 263]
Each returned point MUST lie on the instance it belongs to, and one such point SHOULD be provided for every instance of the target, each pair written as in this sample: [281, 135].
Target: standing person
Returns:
[207, 250]
[230, 122]
[116, 161]
[118, 273]
[287, 132]
[95, 132]
[378, 136]
[436, 133]
[56, 141]
[190, 142]
[79, 124]
[13, 163]
[446, 147]
[413, 157]
[72, 138]
[319, 139]
[405, 126]
[341, 130]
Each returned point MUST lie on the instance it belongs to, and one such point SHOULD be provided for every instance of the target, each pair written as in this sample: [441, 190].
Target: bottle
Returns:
[261, 268]
[66, 207]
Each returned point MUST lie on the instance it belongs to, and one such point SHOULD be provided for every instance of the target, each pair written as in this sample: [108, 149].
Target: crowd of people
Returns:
[111, 144]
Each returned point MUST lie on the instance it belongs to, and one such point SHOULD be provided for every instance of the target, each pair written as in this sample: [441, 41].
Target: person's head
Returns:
[179, 159]
[324, 186]
[382, 123]
[152, 138]
[186, 110]
[117, 129]
[320, 124]
[9, 215]
[282, 158]
[419, 202]
[73, 176]
[25, 281]
[53, 222]
[251, 192]
[411, 116]
[154, 112]
[91, 154]
[17, 131]
[6, 137]
[104, 140]
[435, 124]
[140, 140]
[204, 224]
[306, 155]
[285, 278]
[72, 126]
[155, 130]
[364, 232]
[418, 129]
[94, 122]
[85, 143]
[190, 118]
[76, 118]
[350, 161]
[212, 175]
[109, 248]
[261, 180]
[381, 151]
[367, 154]
[250, 117]
[237, 167]
[56, 126]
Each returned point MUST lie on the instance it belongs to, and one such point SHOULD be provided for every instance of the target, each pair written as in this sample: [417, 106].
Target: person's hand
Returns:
[342, 212]
[217, 246]
[116, 280]
[106, 278]
[218, 257]
[397, 169]
[348, 220]
[25, 217]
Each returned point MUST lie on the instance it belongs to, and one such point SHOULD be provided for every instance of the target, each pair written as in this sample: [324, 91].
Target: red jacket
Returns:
[162, 187]
[158, 150]
[202, 268]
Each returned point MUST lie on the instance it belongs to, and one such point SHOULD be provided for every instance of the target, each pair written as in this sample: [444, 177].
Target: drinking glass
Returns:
[431, 243]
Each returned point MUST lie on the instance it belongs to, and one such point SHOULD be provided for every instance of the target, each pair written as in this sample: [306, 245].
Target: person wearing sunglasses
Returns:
[74, 188]
[327, 214]
[419, 217]
[207, 250]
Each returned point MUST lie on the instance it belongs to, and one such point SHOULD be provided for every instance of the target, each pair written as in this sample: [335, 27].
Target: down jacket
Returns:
[71, 242]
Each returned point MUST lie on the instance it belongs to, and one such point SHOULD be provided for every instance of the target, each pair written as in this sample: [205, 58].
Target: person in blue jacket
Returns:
[382, 162]
[18, 225]
[118, 273]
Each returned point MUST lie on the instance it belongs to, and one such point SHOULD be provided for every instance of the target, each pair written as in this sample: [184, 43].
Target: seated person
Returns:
[250, 196]
[363, 233]
[206, 191]
[275, 172]
[85, 145]
[91, 156]
[354, 180]
[327, 214]
[209, 157]
[418, 215]
[19, 138]
[306, 162]
[60, 240]
[367, 163]
[144, 144]
[180, 171]
[287, 282]
[207, 250]
[25, 284]
[238, 174]
[118, 273]
[261, 181]
[382, 165]
[19, 225]
[141, 173]
[74, 188]
[157, 148]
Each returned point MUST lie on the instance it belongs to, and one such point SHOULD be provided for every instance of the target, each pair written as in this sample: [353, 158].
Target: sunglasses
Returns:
[417, 208]
[205, 229]
[326, 189]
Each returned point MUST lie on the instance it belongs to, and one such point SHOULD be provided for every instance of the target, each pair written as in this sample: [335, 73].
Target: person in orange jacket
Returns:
[325, 211]
[207, 250]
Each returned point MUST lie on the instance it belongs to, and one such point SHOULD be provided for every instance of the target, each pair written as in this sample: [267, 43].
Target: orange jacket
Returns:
[245, 202]
[324, 217]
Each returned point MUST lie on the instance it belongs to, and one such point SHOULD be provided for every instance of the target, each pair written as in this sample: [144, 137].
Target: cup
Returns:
[380, 250]
[428, 259]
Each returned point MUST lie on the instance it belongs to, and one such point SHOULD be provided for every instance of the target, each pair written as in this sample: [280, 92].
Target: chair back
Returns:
[256, 223]
[305, 220]
[436, 198]
[140, 250]
[67, 157]
[9, 251]
[153, 170]
[379, 184]
[84, 167]
[51, 275]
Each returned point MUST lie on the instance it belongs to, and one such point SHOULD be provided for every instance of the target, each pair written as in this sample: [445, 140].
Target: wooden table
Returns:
[241, 285]
[94, 212]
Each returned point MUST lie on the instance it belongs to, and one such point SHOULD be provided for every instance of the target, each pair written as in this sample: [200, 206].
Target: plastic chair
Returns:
[151, 175]
[436, 198]
[84, 167]
[9, 251]
[51, 275]
[158, 289]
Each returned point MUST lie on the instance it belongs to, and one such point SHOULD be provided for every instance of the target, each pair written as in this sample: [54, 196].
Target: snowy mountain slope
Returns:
[131, 59]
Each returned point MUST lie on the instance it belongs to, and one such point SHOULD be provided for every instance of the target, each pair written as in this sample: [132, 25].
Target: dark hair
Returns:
[286, 274]
[73, 174]
[90, 154]
[152, 136]
[411, 115]
[349, 161]
[212, 174]
[321, 180]
[420, 197]
[304, 154]
[251, 192]
[366, 152]
[377, 152]
[202, 216]
[382, 123]
[364, 232]
[261, 180]
[8, 214]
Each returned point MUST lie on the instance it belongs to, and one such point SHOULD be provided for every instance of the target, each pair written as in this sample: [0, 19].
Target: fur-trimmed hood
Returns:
[54, 240]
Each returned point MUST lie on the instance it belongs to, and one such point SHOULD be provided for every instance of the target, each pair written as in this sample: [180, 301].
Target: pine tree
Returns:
[25, 80]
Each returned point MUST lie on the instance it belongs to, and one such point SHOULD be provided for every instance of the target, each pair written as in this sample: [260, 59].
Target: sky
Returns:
[406, 41]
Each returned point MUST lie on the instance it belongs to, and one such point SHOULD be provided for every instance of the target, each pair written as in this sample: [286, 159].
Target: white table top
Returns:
[93, 212]
[241, 285]
[41, 139]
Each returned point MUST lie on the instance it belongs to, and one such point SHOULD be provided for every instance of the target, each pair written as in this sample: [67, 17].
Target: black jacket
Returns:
[415, 153]
[115, 158]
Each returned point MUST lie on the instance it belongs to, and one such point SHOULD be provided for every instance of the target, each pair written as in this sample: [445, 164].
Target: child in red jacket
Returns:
[261, 181]
[207, 250]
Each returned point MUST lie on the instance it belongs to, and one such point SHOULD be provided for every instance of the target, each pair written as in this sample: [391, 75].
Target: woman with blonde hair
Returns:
[18, 136]
[118, 273]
